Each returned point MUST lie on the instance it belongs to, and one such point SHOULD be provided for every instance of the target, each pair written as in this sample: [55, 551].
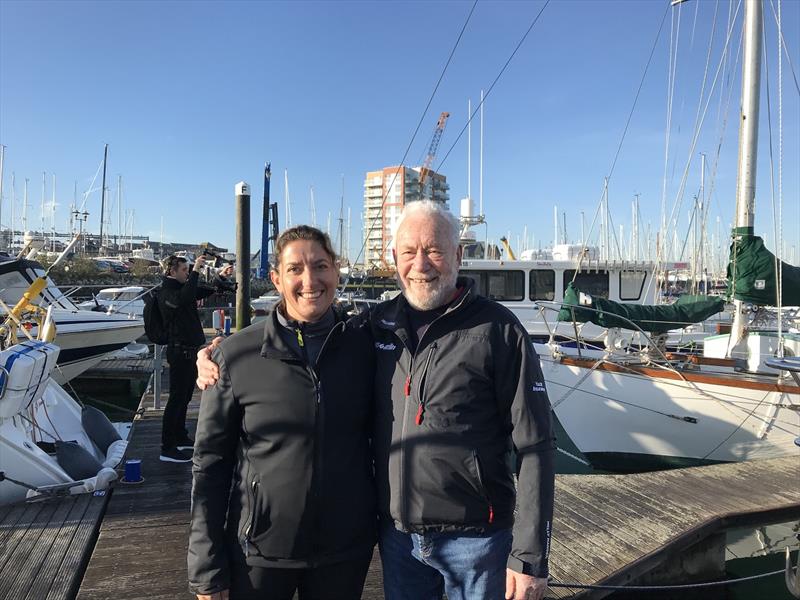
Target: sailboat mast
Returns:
[748, 125]
[103, 195]
[748, 143]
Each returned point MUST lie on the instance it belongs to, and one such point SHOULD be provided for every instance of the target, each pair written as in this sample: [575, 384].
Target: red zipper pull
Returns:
[418, 419]
[491, 513]
[408, 386]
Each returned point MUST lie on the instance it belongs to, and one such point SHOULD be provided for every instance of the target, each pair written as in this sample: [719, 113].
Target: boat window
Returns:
[594, 283]
[498, 285]
[631, 284]
[543, 284]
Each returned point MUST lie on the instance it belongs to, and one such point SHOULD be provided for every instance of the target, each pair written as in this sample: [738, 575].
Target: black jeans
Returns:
[182, 376]
[340, 581]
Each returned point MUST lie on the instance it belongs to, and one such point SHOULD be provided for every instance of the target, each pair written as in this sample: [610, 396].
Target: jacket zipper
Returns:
[319, 426]
[420, 394]
[407, 392]
[484, 491]
[251, 525]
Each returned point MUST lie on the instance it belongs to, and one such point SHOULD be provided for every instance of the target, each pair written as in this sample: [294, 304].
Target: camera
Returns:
[214, 260]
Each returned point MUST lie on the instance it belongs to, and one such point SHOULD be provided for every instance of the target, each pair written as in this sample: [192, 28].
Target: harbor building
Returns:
[399, 185]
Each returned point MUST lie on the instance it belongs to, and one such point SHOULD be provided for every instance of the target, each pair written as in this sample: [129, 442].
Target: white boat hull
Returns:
[627, 421]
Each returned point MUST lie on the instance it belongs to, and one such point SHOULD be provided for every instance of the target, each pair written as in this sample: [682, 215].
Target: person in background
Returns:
[177, 302]
[283, 497]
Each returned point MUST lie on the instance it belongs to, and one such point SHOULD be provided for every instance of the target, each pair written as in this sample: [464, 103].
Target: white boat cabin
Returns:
[519, 284]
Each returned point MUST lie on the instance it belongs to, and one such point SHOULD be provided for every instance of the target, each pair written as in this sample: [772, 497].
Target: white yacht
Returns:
[49, 443]
[126, 300]
[84, 337]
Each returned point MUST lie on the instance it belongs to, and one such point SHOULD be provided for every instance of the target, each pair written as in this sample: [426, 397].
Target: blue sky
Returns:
[194, 96]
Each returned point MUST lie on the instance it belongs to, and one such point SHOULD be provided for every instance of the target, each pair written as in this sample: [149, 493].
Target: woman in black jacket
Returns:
[283, 497]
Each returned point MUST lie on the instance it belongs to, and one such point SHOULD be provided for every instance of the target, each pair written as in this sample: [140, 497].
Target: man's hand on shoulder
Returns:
[524, 587]
[207, 369]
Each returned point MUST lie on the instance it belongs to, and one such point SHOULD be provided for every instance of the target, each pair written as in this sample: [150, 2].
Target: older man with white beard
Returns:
[461, 409]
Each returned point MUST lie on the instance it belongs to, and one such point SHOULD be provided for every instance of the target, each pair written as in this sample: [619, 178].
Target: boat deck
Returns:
[608, 529]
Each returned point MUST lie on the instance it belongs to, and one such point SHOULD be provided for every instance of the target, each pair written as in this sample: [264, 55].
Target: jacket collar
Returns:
[394, 317]
[274, 346]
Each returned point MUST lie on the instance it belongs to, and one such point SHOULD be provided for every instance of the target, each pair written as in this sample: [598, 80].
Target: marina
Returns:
[668, 338]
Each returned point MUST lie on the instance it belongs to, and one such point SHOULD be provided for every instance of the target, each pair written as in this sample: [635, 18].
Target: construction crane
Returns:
[426, 167]
[507, 246]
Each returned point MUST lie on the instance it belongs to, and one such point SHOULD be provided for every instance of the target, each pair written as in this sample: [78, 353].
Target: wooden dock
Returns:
[117, 368]
[608, 529]
[46, 545]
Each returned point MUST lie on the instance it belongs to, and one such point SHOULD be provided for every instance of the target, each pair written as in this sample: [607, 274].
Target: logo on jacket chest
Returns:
[381, 346]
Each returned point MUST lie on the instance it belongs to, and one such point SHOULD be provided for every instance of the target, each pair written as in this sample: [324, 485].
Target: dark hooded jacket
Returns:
[282, 459]
[457, 420]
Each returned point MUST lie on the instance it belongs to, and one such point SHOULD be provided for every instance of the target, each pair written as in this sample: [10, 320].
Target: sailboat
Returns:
[628, 410]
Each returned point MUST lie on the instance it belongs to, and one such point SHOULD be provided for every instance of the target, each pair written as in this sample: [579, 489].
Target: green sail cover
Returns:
[754, 278]
[655, 319]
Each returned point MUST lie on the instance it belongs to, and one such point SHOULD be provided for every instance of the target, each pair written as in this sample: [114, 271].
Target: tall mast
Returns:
[469, 151]
[341, 221]
[119, 209]
[44, 191]
[2, 160]
[287, 206]
[313, 208]
[13, 209]
[103, 195]
[480, 178]
[53, 217]
[25, 209]
[748, 143]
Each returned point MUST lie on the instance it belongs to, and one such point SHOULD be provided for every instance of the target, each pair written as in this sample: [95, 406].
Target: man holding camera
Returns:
[177, 302]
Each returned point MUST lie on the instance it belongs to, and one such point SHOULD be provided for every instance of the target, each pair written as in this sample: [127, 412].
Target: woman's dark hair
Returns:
[302, 232]
[172, 262]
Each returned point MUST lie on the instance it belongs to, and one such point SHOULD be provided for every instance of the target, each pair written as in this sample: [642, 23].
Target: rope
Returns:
[573, 457]
[648, 588]
[696, 135]
[785, 48]
[489, 91]
[625, 131]
[413, 137]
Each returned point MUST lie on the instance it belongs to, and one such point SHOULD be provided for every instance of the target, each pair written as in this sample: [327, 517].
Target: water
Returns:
[749, 551]
[117, 398]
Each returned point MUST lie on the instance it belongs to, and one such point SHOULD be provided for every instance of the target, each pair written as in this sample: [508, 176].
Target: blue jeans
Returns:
[423, 566]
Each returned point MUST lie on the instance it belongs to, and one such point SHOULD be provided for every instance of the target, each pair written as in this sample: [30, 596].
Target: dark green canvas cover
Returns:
[654, 319]
[755, 278]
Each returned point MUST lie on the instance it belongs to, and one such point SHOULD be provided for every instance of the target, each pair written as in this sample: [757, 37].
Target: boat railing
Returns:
[555, 306]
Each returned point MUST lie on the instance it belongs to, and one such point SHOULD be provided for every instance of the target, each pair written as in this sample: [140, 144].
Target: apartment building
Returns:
[398, 185]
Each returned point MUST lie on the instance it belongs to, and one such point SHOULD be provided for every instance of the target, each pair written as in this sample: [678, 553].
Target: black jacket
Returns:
[178, 305]
[457, 420]
[282, 459]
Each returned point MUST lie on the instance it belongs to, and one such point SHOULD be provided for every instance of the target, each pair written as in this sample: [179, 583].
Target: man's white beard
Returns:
[433, 296]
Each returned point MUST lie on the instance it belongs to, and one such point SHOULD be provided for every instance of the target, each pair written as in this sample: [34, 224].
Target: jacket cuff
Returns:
[526, 568]
[207, 589]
